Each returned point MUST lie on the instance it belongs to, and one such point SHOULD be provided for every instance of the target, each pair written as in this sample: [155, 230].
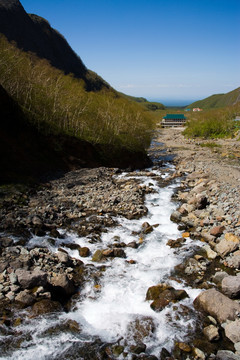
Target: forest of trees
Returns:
[59, 104]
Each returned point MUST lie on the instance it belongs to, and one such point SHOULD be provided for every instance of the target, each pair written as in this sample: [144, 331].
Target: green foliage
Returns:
[213, 123]
[217, 100]
[148, 105]
[58, 103]
[210, 145]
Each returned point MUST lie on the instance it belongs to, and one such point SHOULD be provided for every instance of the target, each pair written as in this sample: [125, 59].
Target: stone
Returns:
[227, 245]
[159, 304]
[226, 355]
[84, 252]
[63, 257]
[231, 286]
[13, 278]
[146, 228]
[25, 298]
[211, 333]
[176, 216]
[232, 331]
[211, 255]
[29, 279]
[233, 260]
[140, 328]
[62, 282]
[6, 242]
[219, 276]
[97, 256]
[217, 231]
[217, 305]
[199, 354]
[45, 306]
[138, 348]
[132, 245]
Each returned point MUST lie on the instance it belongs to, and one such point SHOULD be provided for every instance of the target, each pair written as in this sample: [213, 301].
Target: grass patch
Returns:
[210, 145]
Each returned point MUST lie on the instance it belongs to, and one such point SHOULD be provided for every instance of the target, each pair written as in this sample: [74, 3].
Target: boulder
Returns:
[211, 333]
[233, 260]
[226, 355]
[29, 279]
[217, 305]
[25, 298]
[232, 331]
[219, 276]
[227, 245]
[63, 283]
[63, 257]
[140, 328]
[45, 306]
[231, 286]
[84, 252]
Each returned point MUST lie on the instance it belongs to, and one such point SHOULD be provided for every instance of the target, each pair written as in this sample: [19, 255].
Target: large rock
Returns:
[226, 355]
[45, 306]
[232, 331]
[227, 245]
[29, 279]
[231, 286]
[217, 305]
[63, 283]
[25, 298]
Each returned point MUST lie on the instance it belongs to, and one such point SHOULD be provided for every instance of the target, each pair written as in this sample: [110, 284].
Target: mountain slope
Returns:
[218, 100]
[33, 33]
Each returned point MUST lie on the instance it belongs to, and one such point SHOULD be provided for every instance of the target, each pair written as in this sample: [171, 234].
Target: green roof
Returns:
[174, 117]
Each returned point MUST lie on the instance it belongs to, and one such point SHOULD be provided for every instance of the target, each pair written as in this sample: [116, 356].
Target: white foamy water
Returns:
[109, 312]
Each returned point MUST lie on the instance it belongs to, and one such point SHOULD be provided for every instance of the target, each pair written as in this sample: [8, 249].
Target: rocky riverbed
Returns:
[42, 276]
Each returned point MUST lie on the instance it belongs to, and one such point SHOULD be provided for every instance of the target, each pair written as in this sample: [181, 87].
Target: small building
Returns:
[196, 109]
[173, 120]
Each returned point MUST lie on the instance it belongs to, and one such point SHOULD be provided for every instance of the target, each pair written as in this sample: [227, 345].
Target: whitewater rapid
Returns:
[107, 309]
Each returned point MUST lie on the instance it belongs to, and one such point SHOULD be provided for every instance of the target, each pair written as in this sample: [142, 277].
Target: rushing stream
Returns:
[113, 308]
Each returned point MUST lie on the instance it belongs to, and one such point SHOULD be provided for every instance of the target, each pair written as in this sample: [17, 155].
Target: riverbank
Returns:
[210, 212]
[100, 241]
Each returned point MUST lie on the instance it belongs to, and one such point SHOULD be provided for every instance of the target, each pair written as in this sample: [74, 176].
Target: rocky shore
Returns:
[210, 212]
[35, 281]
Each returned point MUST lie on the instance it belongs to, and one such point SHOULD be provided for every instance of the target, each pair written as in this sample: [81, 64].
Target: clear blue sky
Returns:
[166, 50]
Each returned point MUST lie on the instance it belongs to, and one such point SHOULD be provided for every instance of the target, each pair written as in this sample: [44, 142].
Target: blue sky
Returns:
[172, 51]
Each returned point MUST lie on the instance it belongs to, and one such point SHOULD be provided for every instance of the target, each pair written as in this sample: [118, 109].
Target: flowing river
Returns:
[114, 307]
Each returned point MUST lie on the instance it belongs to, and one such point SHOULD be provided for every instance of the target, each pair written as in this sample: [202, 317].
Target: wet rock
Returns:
[61, 283]
[55, 233]
[84, 252]
[138, 348]
[146, 228]
[211, 333]
[176, 216]
[133, 245]
[231, 286]
[5, 242]
[45, 306]
[98, 256]
[30, 279]
[25, 298]
[159, 304]
[217, 305]
[63, 257]
[176, 243]
[141, 328]
[226, 355]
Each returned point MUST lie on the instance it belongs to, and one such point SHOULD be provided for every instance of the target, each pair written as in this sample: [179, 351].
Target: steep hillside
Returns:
[33, 33]
[218, 100]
